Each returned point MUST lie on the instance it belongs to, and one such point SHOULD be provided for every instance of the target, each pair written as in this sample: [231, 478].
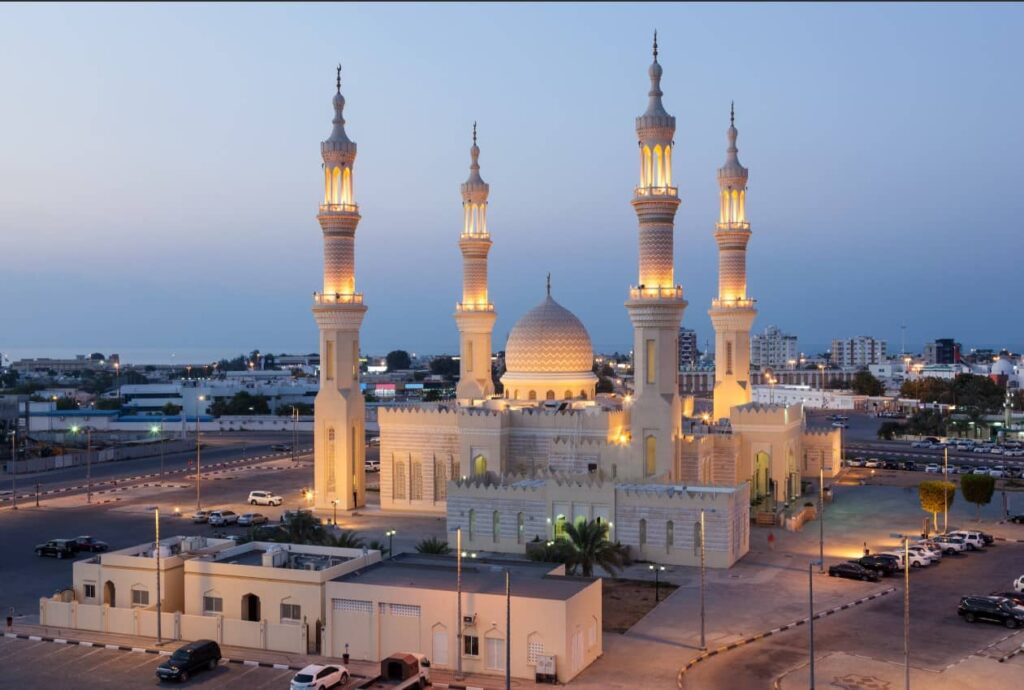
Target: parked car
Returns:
[58, 548]
[883, 565]
[201, 516]
[251, 519]
[89, 544]
[188, 659]
[316, 677]
[841, 425]
[223, 517]
[265, 498]
[934, 555]
[921, 444]
[910, 465]
[891, 465]
[852, 571]
[1016, 598]
[1019, 519]
[950, 545]
[855, 462]
[933, 467]
[280, 447]
[373, 465]
[1018, 584]
[917, 560]
[993, 609]
[872, 462]
[987, 538]
[973, 540]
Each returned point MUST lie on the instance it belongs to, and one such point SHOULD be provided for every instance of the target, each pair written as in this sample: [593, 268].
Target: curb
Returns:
[754, 638]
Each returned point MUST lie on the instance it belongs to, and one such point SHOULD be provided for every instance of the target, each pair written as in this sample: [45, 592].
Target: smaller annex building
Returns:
[409, 602]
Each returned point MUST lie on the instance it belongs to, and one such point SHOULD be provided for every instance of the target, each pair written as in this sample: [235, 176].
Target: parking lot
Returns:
[50, 665]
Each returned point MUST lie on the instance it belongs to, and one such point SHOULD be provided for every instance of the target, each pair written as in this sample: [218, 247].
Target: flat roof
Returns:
[479, 576]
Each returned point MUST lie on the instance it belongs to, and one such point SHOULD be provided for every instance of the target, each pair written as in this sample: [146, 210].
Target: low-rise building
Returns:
[409, 603]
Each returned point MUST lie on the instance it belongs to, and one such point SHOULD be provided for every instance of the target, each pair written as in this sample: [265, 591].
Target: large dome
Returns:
[548, 339]
[1002, 367]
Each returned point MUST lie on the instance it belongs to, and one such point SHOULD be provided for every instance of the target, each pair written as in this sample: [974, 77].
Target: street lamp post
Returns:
[656, 569]
[390, 534]
[160, 430]
[945, 489]
[88, 459]
[458, 604]
[14, 475]
[810, 620]
[295, 420]
[906, 606]
[703, 644]
[821, 515]
[199, 446]
[508, 631]
[156, 542]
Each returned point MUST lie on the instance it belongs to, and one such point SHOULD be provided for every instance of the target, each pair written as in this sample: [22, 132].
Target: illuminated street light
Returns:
[390, 534]
[657, 570]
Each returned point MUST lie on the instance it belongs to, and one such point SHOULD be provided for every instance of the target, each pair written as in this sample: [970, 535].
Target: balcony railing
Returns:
[339, 208]
[461, 306]
[737, 225]
[733, 302]
[656, 191]
[656, 292]
[337, 298]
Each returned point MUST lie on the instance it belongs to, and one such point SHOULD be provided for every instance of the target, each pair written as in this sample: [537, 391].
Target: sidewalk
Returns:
[855, 672]
[262, 657]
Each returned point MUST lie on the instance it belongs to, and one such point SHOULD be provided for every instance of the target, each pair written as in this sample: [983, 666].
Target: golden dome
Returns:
[548, 339]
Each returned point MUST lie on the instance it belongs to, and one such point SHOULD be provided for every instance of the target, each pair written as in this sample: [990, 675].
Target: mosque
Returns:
[515, 468]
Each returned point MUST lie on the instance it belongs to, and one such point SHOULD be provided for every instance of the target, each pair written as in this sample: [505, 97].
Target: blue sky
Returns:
[160, 169]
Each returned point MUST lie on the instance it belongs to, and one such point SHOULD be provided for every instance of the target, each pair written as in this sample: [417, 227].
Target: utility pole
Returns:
[159, 629]
[703, 644]
[11, 467]
[198, 453]
[810, 620]
[295, 420]
[945, 490]
[458, 604]
[821, 515]
[906, 606]
[508, 631]
[88, 464]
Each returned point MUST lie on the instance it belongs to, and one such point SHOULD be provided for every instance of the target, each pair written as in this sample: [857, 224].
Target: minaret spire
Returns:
[655, 45]
[732, 113]
[338, 81]
[549, 284]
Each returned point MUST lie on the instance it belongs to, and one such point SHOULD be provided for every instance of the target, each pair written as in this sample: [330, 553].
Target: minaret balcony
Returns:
[637, 293]
[469, 306]
[735, 303]
[337, 298]
[656, 191]
[734, 225]
[339, 208]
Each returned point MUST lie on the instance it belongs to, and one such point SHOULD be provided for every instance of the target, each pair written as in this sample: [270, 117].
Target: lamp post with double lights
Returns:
[88, 459]
[14, 474]
[199, 446]
[390, 534]
[810, 620]
[159, 430]
[156, 549]
[657, 570]
[821, 514]
[906, 606]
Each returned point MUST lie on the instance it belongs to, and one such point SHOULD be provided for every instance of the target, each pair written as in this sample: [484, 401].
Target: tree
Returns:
[604, 385]
[864, 383]
[346, 539]
[377, 545]
[590, 547]
[978, 489]
[444, 366]
[9, 379]
[107, 404]
[434, 545]
[241, 403]
[398, 359]
[936, 497]
[890, 429]
[97, 357]
[170, 409]
[431, 395]
[65, 403]
[303, 528]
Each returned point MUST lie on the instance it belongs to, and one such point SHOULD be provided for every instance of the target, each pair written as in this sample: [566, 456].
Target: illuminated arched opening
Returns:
[583, 395]
[568, 395]
[336, 185]
[346, 186]
[327, 185]
[559, 526]
[532, 395]
[550, 395]
[762, 465]
[650, 456]
[659, 168]
[479, 466]
[668, 166]
[645, 179]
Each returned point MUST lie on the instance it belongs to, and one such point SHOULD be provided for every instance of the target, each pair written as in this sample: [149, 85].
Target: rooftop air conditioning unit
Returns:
[469, 620]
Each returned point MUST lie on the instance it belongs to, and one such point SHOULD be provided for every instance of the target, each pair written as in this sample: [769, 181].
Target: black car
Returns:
[195, 656]
[994, 609]
[58, 548]
[891, 465]
[909, 465]
[853, 571]
[89, 544]
[1019, 519]
[883, 565]
[987, 538]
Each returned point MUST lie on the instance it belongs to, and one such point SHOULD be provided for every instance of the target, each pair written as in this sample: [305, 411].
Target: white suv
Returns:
[264, 498]
[950, 544]
[973, 540]
[316, 677]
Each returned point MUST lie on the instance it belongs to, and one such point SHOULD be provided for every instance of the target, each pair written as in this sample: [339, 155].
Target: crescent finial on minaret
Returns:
[474, 132]
[732, 112]
[549, 284]
[338, 80]
[655, 45]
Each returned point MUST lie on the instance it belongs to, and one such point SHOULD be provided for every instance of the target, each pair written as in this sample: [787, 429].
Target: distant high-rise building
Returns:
[773, 348]
[688, 353]
[942, 351]
[859, 351]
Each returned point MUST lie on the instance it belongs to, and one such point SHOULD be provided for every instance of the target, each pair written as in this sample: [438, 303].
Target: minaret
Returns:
[732, 314]
[656, 304]
[474, 315]
[338, 439]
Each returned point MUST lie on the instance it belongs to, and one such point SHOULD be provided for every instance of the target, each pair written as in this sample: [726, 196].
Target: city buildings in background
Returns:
[859, 351]
[942, 351]
[773, 348]
[689, 355]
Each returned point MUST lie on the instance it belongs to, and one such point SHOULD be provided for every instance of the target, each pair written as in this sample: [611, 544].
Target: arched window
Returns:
[330, 460]
[520, 528]
[643, 531]
[659, 170]
[336, 186]
[568, 395]
[416, 484]
[346, 186]
[533, 395]
[550, 395]
[670, 536]
[645, 167]
[559, 526]
[583, 395]
[496, 526]
[398, 482]
[440, 480]
[479, 466]
[472, 523]
[668, 166]
[650, 456]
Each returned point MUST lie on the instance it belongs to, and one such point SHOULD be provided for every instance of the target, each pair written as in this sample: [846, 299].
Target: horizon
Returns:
[187, 210]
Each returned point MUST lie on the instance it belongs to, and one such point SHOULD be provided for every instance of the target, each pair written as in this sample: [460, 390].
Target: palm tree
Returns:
[590, 547]
[435, 546]
[303, 527]
[377, 545]
[346, 539]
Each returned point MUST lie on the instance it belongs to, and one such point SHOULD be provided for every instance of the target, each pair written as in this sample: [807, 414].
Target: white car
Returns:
[917, 560]
[973, 540]
[873, 462]
[929, 549]
[223, 517]
[1018, 584]
[264, 498]
[921, 444]
[317, 677]
[373, 465]
[933, 467]
[951, 545]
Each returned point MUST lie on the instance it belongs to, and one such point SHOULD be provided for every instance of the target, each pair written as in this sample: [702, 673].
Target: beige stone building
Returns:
[410, 602]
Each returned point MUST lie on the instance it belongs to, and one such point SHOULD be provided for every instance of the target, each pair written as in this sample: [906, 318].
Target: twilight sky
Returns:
[160, 168]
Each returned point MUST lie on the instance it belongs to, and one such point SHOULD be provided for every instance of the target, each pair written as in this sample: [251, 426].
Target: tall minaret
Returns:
[338, 439]
[474, 315]
[656, 305]
[732, 314]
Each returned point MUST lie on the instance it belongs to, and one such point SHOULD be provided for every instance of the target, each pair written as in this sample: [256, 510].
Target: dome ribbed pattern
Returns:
[548, 339]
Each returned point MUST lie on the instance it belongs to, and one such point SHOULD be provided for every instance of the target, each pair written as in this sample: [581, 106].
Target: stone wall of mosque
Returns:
[419, 454]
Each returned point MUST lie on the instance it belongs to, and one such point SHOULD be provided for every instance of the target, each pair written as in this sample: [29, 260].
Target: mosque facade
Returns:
[513, 468]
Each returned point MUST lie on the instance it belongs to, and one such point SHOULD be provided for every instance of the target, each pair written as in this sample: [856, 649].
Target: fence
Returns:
[56, 462]
[279, 637]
